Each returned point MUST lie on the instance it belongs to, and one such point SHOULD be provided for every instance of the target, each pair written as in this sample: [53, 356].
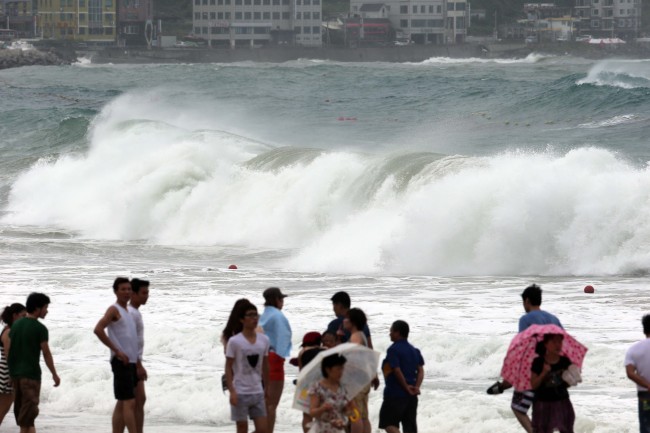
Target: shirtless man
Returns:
[122, 340]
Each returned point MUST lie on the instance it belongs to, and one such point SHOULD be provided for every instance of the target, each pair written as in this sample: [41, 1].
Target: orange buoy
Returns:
[341, 119]
[232, 267]
[589, 289]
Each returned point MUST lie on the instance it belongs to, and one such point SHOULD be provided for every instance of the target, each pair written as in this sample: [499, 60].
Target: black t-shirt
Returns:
[553, 388]
[310, 354]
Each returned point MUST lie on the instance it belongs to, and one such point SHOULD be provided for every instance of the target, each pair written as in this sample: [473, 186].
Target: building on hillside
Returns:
[77, 20]
[135, 22]
[609, 18]
[251, 23]
[19, 15]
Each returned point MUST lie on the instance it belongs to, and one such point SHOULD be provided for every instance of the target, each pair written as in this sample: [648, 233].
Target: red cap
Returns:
[311, 339]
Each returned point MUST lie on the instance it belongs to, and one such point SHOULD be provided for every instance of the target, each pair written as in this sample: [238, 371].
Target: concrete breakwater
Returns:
[18, 58]
[410, 53]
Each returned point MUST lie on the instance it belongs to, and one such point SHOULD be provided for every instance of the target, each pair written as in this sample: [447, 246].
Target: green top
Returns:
[26, 336]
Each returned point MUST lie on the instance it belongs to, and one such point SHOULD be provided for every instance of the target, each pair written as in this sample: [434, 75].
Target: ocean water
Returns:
[432, 192]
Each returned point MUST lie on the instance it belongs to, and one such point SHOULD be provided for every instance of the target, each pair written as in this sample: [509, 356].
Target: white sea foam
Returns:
[614, 121]
[626, 74]
[530, 58]
[582, 212]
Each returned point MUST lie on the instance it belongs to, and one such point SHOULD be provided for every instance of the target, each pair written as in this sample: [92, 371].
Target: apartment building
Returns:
[18, 15]
[78, 20]
[135, 22]
[426, 21]
[238, 23]
[609, 18]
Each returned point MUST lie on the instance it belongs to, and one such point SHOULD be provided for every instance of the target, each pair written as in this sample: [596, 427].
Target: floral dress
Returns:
[338, 401]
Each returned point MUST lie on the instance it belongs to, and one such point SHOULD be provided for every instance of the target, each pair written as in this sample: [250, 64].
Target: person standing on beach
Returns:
[122, 340]
[355, 321]
[341, 305]
[28, 337]
[10, 314]
[276, 327]
[637, 367]
[233, 327]
[247, 372]
[139, 297]
[523, 399]
[403, 371]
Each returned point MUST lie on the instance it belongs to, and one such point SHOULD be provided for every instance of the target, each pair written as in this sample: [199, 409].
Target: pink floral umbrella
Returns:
[521, 353]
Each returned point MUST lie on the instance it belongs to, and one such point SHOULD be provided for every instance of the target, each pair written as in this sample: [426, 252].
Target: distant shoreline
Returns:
[399, 54]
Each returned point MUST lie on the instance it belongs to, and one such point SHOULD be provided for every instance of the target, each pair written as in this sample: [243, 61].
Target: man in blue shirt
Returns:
[277, 329]
[523, 399]
[403, 372]
[341, 305]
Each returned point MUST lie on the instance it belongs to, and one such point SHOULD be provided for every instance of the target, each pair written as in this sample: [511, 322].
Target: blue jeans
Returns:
[644, 412]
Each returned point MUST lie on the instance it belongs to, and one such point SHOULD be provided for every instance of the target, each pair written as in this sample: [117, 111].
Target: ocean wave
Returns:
[613, 121]
[169, 179]
[530, 58]
[624, 74]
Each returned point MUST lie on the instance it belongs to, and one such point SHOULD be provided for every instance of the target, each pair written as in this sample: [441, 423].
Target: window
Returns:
[213, 15]
[238, 2]
[315, 30]
[460, 22]
[227, 2]
[197, 15]
[82, 17]
[306, 16]
[594, 12]
[460, 6]
[197, 30]
[286, 15]
[257, 15]
[226, 15]
[276, 2]
[109, 31]
[247, 2]
[82, 30]
[109, 3]
[82, 4]
[238, 15]
[306, 2]
[285, 2]
[451, 6]
[219, 15]
[403, 23]
[315, 2]
[306, 30]
[205, 3]
[248, 15]
[266, 15]
[260, 30]
[298, 16]
[266, 2]
[415, 9]
[595, 23]
[257, 2]
[220, 2]
[430, 9]
[296, 30]
[212, 2]
[316, 15]
[403, 9]
[205, 15]
[276, 15]
[423, 9]
[418, 23]
[439, 9]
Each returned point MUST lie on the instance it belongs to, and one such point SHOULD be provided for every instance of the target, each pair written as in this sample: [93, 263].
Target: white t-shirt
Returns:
[247, 367]
[639, 356]
[139, 329]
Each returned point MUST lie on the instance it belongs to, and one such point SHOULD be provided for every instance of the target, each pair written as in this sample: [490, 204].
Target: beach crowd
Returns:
[541, 364]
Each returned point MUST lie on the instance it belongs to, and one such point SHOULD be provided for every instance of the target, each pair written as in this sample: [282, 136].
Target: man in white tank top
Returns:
[122, 340]
[139, 297]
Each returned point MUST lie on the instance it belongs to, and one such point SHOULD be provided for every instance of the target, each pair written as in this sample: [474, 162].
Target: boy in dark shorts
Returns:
[403, 372]
[122, 340]
[28, 338]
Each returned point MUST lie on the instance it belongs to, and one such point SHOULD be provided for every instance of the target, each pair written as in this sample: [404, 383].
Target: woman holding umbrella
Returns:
[552, 408]
[328, 401]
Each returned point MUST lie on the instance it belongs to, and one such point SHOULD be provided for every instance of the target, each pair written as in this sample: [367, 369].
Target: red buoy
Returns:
[589, 289]
[232, 267]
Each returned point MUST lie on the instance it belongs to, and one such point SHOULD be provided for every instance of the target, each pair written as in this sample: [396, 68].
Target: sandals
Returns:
[497, 388]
